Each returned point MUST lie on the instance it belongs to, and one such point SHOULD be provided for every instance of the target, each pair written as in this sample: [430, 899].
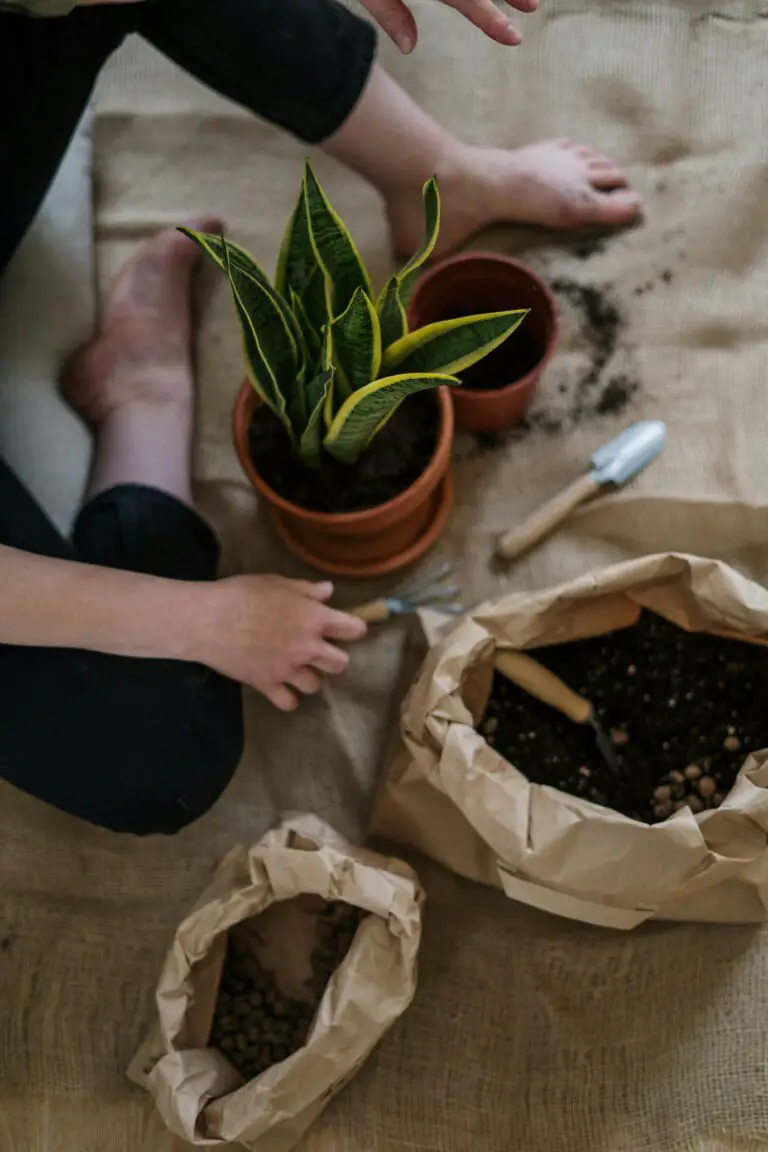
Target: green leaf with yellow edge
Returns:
[296, 261]
[310, 334]
[407, 275]
[357, 344]
[243, 265]
[333, 246]
[452, 346]
[311, 440]
[329, 365]
[299, 272]
[391, 311]
[259, 366]
[364, 412]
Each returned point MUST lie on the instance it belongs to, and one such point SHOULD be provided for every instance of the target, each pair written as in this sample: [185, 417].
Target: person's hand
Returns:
[397, 20]
[273, 634]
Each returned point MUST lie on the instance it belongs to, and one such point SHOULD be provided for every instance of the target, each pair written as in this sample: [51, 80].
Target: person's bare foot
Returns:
[555, 184]
[141, 354]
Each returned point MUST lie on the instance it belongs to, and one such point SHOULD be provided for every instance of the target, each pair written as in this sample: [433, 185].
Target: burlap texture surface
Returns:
[527, 1034]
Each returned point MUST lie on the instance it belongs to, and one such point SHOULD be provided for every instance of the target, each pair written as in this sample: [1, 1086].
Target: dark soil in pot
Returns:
[511, 361]
[683, 709]
[398, 455]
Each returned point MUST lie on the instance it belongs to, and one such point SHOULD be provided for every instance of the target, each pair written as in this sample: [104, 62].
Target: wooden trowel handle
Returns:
[538, 681]
[374, 612]
[518, 540]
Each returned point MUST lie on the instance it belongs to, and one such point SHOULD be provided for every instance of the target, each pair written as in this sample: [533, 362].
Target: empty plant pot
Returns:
[496, 392]
[373, 541]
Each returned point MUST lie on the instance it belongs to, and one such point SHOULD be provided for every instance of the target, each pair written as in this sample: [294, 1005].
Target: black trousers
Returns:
[301, 64]
[134, 745]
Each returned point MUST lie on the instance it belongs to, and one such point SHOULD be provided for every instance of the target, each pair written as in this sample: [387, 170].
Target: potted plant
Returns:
[496, 392]
[344, 425]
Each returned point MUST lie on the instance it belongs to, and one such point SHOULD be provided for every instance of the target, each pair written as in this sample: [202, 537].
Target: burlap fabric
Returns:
[527, 1034]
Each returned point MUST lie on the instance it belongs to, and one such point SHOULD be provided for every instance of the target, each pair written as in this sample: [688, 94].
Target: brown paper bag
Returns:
[200, 1094]
[449, 794]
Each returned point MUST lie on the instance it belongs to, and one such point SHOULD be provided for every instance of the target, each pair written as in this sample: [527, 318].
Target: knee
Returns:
[184, 771]
[191, 771]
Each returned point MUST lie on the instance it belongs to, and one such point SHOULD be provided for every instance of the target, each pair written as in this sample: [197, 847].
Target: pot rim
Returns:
[503, 261]
[247, 399]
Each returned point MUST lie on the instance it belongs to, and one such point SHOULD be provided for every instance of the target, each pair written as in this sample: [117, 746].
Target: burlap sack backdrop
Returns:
[199, 1093]
[450, 794]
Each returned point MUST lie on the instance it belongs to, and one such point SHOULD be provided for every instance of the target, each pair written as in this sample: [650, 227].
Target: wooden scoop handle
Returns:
[538, 681]
[538, 525]
[374, 612]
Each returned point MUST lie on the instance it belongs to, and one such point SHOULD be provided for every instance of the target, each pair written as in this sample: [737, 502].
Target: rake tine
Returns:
[439, 596]
[428, 581]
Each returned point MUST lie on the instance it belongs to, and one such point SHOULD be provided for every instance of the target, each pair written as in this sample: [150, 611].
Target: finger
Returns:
[341, 626]
[330, 659]
[322, 591]
[396, 18]
[306, 680]
[314, 590]
[486, 16]
[282, 698]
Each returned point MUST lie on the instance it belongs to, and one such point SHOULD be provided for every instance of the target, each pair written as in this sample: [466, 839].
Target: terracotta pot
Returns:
[373, 542]
[487, 282]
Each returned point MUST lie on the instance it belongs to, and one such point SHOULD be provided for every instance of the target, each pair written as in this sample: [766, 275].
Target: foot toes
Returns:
[607, 177]
[618, 207]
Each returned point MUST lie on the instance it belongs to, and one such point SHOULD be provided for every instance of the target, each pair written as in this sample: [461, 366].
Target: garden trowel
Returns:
[612, 465]
[538, 681]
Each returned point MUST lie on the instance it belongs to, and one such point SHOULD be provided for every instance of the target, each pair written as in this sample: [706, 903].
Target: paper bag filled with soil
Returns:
[503, 789]
[288, 971]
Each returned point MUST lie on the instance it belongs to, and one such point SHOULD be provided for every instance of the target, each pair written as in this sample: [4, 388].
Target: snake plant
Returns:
[331, 359]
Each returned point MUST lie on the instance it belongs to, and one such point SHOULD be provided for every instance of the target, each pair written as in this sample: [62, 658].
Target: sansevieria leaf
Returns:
[299, 272]
[311, 440]
[310, 333]
[406, 277]
[333, 246]
[356, 345]
[245, 267]
[364, 412]
[391, 310]
[451, 345]
[259, 367]
[296, 262]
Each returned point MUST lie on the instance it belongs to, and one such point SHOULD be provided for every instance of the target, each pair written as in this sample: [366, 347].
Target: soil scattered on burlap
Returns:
[683, 709]
[397, 456]
[255, 1024]
[596, 391]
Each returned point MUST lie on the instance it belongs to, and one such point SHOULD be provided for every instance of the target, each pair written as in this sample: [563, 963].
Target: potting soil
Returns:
[397, 456]
[683, 711]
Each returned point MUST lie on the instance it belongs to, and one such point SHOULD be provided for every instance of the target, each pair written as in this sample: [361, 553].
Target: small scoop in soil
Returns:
[538, 681]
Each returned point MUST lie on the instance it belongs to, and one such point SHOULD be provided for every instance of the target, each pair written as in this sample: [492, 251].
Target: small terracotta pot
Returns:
[375, 541]
[475, 282]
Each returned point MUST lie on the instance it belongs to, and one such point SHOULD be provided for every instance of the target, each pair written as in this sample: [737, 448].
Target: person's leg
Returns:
[396, 146]
[133, 384]
[308, 66]
[47, 71]
[132, 745]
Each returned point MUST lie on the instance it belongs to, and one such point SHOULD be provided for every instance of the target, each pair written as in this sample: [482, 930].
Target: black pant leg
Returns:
[47, 71]
[132, 745]
[300, 64]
